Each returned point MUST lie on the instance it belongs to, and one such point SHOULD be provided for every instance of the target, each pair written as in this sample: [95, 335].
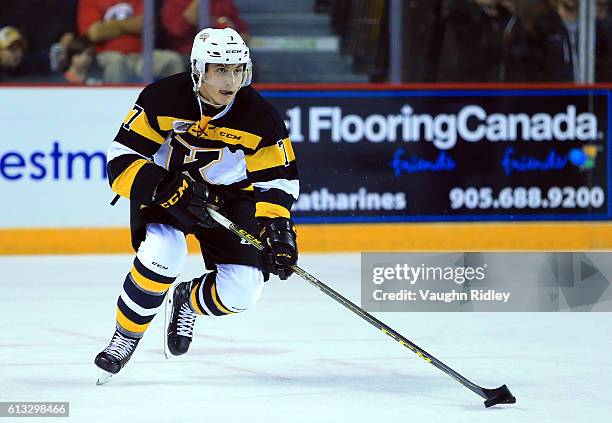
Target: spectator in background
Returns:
[12, 46]
[47, 25]
[471, 40]
[568, 11]
[537, 46]
[16, 64]
[180, 21]
[115, 27]
[603, 44]
[80, 56]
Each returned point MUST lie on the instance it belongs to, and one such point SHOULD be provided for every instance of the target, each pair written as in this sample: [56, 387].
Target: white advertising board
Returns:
[53, 156]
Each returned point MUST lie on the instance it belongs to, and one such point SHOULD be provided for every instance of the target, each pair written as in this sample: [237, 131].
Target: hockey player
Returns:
[194, 140]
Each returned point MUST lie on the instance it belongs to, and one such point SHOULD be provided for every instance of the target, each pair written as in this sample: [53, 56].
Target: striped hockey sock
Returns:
[204, 299]
[142, 295]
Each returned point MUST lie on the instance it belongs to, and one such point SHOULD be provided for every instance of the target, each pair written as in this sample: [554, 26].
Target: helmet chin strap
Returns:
[196, 88]
[207, 101]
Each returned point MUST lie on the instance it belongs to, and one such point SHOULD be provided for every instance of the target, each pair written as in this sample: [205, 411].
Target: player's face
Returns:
[221, 83]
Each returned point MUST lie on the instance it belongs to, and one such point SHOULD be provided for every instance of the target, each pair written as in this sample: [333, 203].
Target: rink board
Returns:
[347, 237]
[450, 155]
[56, 197]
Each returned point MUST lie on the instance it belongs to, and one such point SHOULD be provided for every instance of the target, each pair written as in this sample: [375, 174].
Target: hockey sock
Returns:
[143, 293]
[204, 299]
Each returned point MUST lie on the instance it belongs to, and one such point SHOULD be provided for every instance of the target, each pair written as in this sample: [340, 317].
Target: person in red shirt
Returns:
[180, 20]
[115, 28]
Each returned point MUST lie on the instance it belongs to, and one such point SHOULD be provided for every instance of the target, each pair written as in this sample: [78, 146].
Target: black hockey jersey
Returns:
[243, 147]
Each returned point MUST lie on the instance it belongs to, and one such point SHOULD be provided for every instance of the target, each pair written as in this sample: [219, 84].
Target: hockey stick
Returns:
[494, 396]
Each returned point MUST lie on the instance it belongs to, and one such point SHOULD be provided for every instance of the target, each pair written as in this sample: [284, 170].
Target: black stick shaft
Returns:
[389, 331]
[355, 309]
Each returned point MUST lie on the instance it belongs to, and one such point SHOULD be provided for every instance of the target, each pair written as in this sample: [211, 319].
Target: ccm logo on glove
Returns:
[176, 196]
[187, 202]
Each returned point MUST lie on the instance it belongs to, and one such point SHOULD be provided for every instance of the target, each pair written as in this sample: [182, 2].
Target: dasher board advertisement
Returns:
[450, 155]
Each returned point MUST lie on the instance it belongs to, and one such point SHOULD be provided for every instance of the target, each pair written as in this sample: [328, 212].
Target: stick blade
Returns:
[501, 395]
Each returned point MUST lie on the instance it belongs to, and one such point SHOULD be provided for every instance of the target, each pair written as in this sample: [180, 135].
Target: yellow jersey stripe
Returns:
[128, 325]
[271, 156]
[193, 301]
[146, 283]
[217, 300]
[225, 135]
[264, 209]
[141, 126]
[122, 185]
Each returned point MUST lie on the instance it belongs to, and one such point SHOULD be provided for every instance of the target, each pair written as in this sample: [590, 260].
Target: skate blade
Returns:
[167, 314]
[103, 377]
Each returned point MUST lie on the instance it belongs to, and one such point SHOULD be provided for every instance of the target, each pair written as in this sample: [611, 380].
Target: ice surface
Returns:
[298, 356]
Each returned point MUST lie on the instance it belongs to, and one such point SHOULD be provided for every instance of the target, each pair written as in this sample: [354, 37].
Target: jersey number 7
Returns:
[138, 110]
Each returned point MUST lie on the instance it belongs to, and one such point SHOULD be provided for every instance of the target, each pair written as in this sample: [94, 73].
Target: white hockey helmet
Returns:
[224, 46]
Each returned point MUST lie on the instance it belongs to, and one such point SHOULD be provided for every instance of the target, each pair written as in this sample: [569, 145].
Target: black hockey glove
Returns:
[280, 249]
[186, 200]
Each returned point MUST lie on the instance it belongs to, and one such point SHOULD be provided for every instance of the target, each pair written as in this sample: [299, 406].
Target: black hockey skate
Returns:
[115, 356]
[180, 319]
